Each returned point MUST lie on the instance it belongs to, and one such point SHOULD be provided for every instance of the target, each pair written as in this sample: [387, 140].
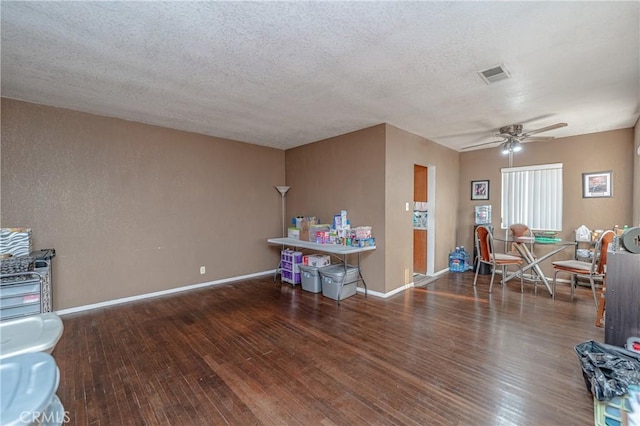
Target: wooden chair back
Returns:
[483, 245]
[605, 239]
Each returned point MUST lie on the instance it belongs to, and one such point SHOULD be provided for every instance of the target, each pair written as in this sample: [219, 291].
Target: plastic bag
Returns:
[608, 370]
[583, 234]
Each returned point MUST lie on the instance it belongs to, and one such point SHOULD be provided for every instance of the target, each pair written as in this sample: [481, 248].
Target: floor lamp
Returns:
[283, 190]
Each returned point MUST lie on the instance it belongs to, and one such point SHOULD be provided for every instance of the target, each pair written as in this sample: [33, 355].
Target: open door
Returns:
[420, 219]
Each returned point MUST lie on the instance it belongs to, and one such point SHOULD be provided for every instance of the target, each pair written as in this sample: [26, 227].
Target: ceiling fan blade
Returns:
[544, 129]
[536, 138]
[480, 144]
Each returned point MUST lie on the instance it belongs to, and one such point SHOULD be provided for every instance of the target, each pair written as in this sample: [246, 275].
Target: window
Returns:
[532, 195]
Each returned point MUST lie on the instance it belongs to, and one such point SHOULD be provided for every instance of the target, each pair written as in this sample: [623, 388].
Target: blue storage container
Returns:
[28, 383]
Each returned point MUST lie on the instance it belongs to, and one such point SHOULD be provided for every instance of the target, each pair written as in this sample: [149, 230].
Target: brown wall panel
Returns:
[346, 172]
[132, 208]
[594, 152]
[405, 149]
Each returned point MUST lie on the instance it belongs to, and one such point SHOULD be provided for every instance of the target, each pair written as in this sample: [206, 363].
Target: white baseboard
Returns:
[160, 293]
[218, 282]
[441, 272]
[401, 288]
[386, 295]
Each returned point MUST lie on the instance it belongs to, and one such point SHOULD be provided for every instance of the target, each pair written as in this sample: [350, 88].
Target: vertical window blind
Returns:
[532, 195]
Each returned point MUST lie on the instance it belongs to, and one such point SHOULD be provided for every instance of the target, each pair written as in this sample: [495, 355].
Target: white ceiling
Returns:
[284, 74]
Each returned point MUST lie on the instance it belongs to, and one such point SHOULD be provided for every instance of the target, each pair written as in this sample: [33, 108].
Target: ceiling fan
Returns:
[512, 137]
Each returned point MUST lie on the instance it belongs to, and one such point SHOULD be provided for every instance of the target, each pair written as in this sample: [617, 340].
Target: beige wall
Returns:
[636, 175]
[587, 153]
[132, 208]
[369, 173]
[346, 172]
[403, 150]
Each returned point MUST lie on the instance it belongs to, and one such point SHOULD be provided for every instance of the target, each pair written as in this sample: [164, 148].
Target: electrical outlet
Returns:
[202, 270]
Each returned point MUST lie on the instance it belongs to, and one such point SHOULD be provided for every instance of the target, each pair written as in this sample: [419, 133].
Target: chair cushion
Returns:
[574, 265]
[500, 257]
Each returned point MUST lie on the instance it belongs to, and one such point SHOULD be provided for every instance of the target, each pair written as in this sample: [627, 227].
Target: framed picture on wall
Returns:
[479, 189]
[597, 184]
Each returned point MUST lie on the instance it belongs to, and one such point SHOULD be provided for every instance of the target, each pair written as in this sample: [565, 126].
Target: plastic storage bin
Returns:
[332, 277]
[289, 262]
[620, 410]
[28, 391]
[36, 333]
[310, 278]
[20, 295]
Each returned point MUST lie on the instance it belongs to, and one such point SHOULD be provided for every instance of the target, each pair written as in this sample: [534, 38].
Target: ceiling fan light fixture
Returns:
[506, 147]
[511, 145]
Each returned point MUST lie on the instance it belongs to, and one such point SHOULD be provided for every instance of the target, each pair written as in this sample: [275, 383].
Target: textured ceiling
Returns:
[284, 74]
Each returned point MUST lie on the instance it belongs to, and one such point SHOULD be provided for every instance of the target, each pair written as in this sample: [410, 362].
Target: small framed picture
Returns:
[597, 184]
[479, 189]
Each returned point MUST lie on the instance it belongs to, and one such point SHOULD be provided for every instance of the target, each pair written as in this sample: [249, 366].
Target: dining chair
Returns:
[594, 270]
[519, 230]
[486, 255]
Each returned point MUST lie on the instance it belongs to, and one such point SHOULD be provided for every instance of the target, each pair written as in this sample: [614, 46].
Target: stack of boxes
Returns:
[314, 272]
[339, 232]
[289, 262]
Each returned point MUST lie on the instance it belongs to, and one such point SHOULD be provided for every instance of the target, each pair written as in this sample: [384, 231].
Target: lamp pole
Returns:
[283, 190]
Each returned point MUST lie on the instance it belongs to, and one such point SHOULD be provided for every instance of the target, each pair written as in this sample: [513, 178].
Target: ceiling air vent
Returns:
[494, 74]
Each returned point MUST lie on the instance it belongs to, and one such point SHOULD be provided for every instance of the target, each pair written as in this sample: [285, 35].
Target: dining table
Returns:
[525, 247]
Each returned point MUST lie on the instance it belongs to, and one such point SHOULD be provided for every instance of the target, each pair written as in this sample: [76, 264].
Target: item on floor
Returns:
[459, 260]
[289, 262]
[26, 284]
[310, 278]
[332, 278]
[608, 370]
[28, 392]
[34, 333]
[633, 344]
[620, 410]
[20, 295]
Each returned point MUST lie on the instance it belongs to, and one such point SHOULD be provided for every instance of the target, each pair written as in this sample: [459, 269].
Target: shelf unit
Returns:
[583, 245]
[22, 294]
[30, 292]
[289, 262]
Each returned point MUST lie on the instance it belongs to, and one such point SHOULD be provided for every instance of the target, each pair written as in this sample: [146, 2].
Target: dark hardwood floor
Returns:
[255, 352]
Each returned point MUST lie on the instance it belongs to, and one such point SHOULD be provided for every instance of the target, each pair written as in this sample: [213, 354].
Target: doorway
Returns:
[424, 177]
[420, 218]
[423, 211]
